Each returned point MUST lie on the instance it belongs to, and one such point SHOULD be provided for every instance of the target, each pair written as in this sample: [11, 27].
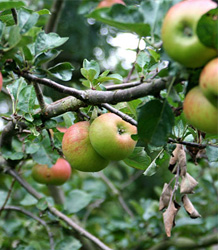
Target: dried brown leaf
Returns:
[182, 161]
[187, 185]
[169, 217]
[174, 158]
[165, 196]
[189, 207]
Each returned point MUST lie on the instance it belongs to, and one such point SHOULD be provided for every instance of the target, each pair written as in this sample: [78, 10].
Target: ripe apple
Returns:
[179, 37]
[58, 174]
[209, 81]
[111, 137]
[199, 112]
[1, 81]
[78, 150]
[109, 3]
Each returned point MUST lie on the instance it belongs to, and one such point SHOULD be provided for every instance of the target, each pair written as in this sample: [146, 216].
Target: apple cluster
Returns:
[181, 43]
[90, 147]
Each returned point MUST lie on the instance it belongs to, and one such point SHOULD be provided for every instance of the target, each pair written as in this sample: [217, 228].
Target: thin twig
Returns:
[40, 97]
[22, 210]
[117, 193]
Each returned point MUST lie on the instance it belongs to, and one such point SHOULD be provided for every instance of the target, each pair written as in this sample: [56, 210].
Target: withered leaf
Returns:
[174, 158]
[169, 217]
[182, 161]
[165, 196]
[189, 207]
[188, 184]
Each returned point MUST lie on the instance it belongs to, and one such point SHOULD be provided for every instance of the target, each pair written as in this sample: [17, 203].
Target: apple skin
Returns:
[78, 150]
[111, 137]
[109, 3]
[199, 112]
[58, 174]
[209, 81]
[1, 81]
[179, 37]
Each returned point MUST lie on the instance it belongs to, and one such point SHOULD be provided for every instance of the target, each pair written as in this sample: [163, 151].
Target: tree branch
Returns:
[21, 210]
[187, 243]
[40, 97]
[56, 212]
[95, 97]
[117, 193]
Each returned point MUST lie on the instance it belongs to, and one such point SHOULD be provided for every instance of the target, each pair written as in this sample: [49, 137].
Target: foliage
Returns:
[120, 204]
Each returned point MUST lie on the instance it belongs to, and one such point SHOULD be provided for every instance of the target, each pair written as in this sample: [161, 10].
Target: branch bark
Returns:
[56, 212]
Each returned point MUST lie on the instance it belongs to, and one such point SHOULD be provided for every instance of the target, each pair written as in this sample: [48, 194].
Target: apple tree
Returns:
[158, 188]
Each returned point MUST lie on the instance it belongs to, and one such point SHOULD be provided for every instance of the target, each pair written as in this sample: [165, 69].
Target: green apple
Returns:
[209, 81]
[78, 150]
[179, 37]
[109, 3]
[111, 136]
[1, 81]
[58, 174]
[199, 112]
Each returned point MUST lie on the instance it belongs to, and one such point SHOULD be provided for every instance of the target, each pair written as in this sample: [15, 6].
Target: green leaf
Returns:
[45, 154]
[111, 77]
[26, 20]
[43, 12]
[77, 200]
[7, 18]
[14, 36]
[45, 41]
[46, 57]
[69, 119]
[138, 159]
[31, 147]
[142, 59]
[152, 168]
[207, 29]
[155, 122]
[42, 204]
[212, 153]
[90, 70]
[50, 124]
[4, 5]
[3, 195]
[123, 18]
[11, 154]
[62, 71]
[26, 102]
[69, 242]
[28, 200]
[154, 54]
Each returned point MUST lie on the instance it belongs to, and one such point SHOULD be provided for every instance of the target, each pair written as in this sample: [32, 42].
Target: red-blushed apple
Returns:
[199, 112]
[58, 174]
[109, 3]
[78, 150]
[179, 37]
[1, 81]
[111, 136]
[209, 81]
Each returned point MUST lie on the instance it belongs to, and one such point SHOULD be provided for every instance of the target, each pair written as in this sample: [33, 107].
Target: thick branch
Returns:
[56, 212]
[23, 211]
[40, 97]
[98, 97]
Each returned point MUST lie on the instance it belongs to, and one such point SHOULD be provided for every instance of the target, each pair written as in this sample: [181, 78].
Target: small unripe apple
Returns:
[199, 112]
[109, 3]
[78, 150]
[111, 136]
[1, 81]
[180, 40]
[58, 174]
[209, 81]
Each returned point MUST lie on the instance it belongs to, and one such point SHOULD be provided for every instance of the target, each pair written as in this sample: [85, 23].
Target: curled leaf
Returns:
[165, 196]
[187, 185]
[189, 207]
[182, 161]
[169, 217]
[174, 158]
